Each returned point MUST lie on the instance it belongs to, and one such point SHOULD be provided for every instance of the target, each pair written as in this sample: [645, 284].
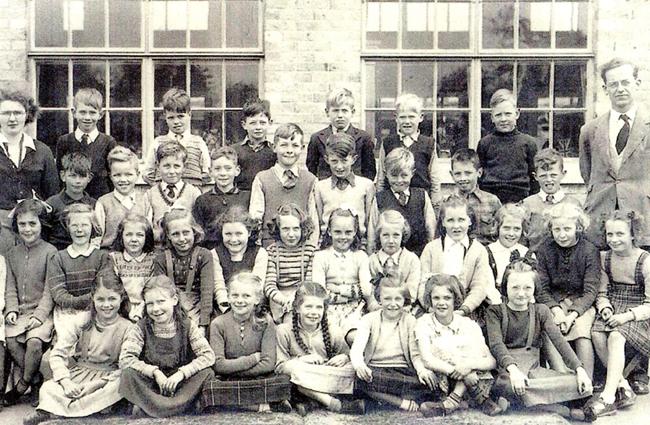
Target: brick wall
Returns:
[13, 43]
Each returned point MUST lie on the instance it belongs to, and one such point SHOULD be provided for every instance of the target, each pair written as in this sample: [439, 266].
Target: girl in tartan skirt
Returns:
[391, 371]
[243, 340]
[623, 306]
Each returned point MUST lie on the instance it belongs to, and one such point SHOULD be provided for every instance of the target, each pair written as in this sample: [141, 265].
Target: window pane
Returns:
[382, 22]
[494, 76]
[49, 30]
[381, 90]
[242, 82]
[570, 84]
[125, 84]
[242, 23]
[166, 76]
[51, 125]
[535, 24]
[486, 123]
[380, 125]
[207, 124]
[89, 75]
[426, 126]
[52, 82]
[535, 124]
[571, 23]
[159, 123]
[205, 26]
[126, 127]
[498, 30]
[452, 132]
[205, 84]
[87, 22]
[533, 84]
[169, 20]
[234, 131]
[566, 131]
[123, 12]
[417, 78]
[418, 20]
[453, 84]
[452, 24]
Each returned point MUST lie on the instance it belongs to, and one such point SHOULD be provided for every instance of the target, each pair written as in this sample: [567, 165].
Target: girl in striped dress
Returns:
[290, 259]
[623, 306]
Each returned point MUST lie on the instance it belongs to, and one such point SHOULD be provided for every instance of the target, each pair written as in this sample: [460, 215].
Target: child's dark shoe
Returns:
[625, 397]
[353, 407]
[281, 406]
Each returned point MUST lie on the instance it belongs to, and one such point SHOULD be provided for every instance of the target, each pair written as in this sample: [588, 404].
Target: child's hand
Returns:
[364, 373]
[606, 313]
[558, 316]
[584, 382]
[460, 372]
[172, 382]
[91, 387]
[518, 380]
[161, 380]
[428, 378]
[471, 378]
[312, 359]
[12, 318]
[338, 361]
[70, 389]
[569, 320]
[33, 323]
[618, 320]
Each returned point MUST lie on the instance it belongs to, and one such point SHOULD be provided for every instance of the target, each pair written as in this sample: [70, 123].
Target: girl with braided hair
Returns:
[314, 354]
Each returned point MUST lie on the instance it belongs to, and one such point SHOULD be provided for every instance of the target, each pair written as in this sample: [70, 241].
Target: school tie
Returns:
[85, 139]
[390, 268]
[514, 255]
[171, 193]
[179, 137]
[402, 198]
[341, 184]
[289, 179]
[623, 134]
[550, 199]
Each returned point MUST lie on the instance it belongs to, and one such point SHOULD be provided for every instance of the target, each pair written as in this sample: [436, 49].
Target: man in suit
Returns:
[614, 156]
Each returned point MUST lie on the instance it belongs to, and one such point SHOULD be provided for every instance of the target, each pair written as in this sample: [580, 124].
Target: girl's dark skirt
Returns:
[144, 393]
[398, 381]
[237, 391]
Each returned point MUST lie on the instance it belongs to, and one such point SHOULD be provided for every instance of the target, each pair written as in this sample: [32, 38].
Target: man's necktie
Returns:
[623, 134]
[171, 191]
[290, 179]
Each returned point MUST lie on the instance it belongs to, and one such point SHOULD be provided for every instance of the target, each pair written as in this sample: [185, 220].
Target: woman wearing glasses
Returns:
[27, 167]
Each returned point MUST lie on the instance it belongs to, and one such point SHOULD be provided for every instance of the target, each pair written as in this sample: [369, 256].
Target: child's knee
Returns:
[34, 345]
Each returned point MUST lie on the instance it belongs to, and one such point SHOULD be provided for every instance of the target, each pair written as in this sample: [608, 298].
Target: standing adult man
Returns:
[614, 160]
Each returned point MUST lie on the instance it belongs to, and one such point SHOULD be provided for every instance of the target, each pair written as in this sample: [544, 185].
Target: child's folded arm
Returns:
[131, 350]
[267, 353]
[204, 356]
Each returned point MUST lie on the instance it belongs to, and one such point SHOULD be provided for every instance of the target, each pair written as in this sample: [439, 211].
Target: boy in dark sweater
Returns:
[339, 108]
[507, 155]
[75, 175]
[87, 139]
[255, 152]
[408, 114]
[225, 194]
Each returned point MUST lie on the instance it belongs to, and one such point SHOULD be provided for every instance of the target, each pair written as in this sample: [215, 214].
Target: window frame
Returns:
[475, 55]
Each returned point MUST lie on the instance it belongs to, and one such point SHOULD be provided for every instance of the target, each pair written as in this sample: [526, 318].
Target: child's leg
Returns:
[585, 352]
[599, 339]
[17, 352]
[33, 355]
[323, 398]
[615, 365]
[553, 357]
[394, 400]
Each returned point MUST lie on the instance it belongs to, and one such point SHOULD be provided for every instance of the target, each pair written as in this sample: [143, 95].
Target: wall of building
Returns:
[13, 43]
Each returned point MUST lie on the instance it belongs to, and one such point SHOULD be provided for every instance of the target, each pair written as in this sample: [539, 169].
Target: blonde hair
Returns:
[399, 159]
[122, 154]
[338, 97]
[570, 211]
[409, 102]
[517, 211]
[389, 217]
[502, 95]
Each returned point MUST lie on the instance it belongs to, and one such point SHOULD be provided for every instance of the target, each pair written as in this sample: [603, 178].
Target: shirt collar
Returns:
[557, 196]
[477, 193]
[177, 186]
[454, 326]
[67, 200]
[341, 255]
[124, 198]
[128, 257]
[335, 130]
[78, 134]
[186, 134]
[217, 191]
[414, 137]
[28, 142]
[383, 256]
[407, 192]
[72, 251]
[279, 170]
[349, 179]
[615, 116]
[247, 142]
[449, 242]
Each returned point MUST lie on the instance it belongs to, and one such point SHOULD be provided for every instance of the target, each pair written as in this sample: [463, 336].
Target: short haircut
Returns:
[340, 144]
[176, 100]
[389, 217]
[306, 224]
[392, 283]
[131, 218]
[517, 211]
[338, 97]
[255, 107]
[633, 220]
[29, 104]
[76, 162]
[547, 158]
[466, 155]
[287, 131]
[225, 152]
[90, 97]
[399, 159]
[80, 208]
[502, 95]
[171, 148]
[180, 213]
[122, 154]
[36, 206]
[615, 63]
[409, 101]
[448, 281]
[453, 201]
[568, 210]
[236, 214]
[521, 265]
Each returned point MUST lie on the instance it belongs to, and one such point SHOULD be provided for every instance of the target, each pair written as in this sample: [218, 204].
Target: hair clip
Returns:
[48, 208]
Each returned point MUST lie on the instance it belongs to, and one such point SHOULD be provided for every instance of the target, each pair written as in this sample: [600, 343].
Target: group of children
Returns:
[285, 288]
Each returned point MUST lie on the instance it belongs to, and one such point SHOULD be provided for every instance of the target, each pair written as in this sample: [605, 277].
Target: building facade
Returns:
[452, 53]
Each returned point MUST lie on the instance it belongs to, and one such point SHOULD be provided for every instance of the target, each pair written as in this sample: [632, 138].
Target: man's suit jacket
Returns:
[364, 165]
[629, 186]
